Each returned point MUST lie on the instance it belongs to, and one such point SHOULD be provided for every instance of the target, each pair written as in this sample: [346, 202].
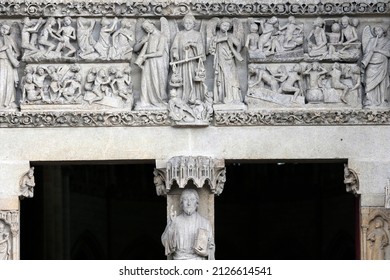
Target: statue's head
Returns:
[344, 21]
[378, 223]
[189, 22]
[189, 201]
[148, 26]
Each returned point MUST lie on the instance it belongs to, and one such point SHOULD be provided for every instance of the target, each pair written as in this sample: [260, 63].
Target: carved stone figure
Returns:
[197, 113]
[316, 72]
[291, 34]
[29, 34]
[27, 184]
[154, 60]
[376, 53]
[84, 36]
[293, 83]
[45, 40]
[66, 33]
[225, 47]
[71, 88]
[351, 180]
[336, 83]
[187, 54]
[268, 28]
[159, 182]
[122, 41]
[104, 42]
[317, 42]
[5, 242]
[188, 236]
[9, 79]
[252, 39]
[122, 86]
[377, 240]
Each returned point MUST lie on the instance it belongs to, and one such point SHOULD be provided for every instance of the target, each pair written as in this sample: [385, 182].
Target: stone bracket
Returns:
[181, 170]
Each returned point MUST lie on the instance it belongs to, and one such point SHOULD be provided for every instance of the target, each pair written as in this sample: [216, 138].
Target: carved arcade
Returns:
[198, 68]
[375, 225]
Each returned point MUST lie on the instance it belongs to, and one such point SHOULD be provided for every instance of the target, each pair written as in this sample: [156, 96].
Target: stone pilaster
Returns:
[11, 180]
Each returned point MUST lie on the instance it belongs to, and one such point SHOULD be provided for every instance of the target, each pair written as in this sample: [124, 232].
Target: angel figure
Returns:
[187, 56]
[376, 53]
[154, 61]
[9, 52]
[225, 47]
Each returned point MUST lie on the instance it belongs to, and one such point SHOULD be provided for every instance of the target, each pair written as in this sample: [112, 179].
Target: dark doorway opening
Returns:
[93, 212]
[286, 211]
[266, 211]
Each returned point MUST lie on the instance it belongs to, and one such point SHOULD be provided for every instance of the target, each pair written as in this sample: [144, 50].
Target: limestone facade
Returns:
[197, 82]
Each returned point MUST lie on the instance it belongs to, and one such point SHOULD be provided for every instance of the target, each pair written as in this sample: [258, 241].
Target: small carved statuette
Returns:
[27, 184]
[351, 180]
[159, 182]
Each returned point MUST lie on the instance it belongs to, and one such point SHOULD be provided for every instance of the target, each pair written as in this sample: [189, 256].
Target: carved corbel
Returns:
[351, 180]
[27, 184]
[159, 182]
[199, 170]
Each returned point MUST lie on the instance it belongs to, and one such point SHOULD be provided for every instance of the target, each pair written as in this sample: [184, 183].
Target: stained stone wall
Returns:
[244, 80]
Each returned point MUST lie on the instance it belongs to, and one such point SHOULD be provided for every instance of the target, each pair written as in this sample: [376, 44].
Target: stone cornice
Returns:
[199, 7]
[160, 118]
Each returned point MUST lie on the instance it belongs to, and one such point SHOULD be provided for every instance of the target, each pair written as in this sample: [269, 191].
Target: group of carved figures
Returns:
[67, 84]
[173, 70]
[310, 82]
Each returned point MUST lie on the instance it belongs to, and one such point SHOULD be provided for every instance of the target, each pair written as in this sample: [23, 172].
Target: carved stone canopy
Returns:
[200, 170]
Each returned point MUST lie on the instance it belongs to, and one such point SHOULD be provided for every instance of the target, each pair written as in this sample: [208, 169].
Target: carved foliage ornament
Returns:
[167, 8]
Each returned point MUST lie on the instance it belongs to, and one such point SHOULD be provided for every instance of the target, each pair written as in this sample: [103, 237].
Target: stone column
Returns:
[374, 190]
[204, 174]
[16, 179]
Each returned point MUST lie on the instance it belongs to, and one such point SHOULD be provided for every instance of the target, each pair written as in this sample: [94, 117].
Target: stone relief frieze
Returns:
[79, 86]
[9, 232]
[198, 68]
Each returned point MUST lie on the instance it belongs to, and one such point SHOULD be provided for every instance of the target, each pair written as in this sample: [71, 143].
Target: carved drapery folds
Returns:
[375, 225]
[195, 61]
[351, 180]
[200, 170]
[9, 234]
[27, 184]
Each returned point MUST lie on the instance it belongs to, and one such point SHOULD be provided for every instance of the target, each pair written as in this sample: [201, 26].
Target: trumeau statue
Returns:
[188, 236]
